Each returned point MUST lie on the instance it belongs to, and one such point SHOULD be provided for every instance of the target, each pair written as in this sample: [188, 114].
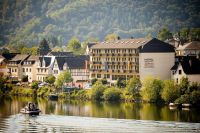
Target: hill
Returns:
[28, 22]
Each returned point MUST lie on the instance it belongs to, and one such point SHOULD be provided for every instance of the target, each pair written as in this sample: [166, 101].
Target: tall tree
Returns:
[43, 47]
[64, 77]
[151, 89]
[164, 34]
[111, 37]
[74, 45]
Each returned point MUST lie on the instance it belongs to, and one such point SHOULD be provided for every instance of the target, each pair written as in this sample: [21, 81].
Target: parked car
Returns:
[42, 84]
[88, 86]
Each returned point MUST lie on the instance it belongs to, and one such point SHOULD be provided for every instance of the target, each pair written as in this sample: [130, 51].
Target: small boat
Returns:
[173, 106]
[186, 105]
[30, 109]
[53, 97]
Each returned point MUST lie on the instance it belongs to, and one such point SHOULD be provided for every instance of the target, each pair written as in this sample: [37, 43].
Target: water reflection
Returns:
[11, 106]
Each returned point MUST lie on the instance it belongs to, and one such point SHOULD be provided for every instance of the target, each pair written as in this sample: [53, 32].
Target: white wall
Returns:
[176, 76]
[156, 64]
[194, 78]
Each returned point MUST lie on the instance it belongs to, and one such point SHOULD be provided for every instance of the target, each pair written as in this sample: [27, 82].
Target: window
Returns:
[29, 69]
[15, 70]
[98, 75]
[179, 72]
[176, 80]
[23, 69]
[55, 71]
[26, 69]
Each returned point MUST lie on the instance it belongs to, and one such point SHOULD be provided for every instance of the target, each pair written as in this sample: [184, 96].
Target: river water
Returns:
[77, 116]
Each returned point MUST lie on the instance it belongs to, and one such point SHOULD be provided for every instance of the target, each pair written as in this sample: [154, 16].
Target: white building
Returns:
[156, 58]
[191, 48]
[29, 67]
[187, 67]
[76, 65]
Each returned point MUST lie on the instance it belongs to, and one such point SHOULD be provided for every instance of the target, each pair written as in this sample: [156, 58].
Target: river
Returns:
[78, 116]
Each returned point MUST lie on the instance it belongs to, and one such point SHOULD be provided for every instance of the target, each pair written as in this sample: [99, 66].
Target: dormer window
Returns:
[43, 63]
[65, 66]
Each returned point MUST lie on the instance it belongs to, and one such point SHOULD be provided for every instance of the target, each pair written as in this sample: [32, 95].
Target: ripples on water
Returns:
[75, 124]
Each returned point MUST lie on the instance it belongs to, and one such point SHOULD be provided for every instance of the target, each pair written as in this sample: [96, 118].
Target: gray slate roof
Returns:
[156, 46]
[76, 62]
[190, 65]
[61, 54]
[47, 61]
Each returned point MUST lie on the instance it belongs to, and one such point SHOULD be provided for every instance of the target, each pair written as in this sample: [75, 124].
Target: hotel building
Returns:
[115, 59]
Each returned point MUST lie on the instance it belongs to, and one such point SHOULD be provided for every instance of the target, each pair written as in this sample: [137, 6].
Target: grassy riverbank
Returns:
[150, 90]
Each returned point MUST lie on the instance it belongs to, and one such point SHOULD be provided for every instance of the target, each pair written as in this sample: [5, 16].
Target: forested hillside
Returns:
[29, 21]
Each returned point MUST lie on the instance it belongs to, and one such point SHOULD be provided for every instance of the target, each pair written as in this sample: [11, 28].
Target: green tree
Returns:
[74, 45]
[184, 34]
[111, 37]
[34, 85]
[104, 81]
[43, 47]
[194, 34]
[112, 94]
[34, 50]
[64, 77]
[50, 79]
[170, 91]
[133, 86]
[121, 82]
[149, 36]
[164, 34]
[94, 80]
[151, 89]
[183, 85]
[97, 91]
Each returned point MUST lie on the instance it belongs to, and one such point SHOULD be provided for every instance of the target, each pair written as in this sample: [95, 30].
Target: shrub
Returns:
[183, 99]
[151, 88]
[133, 87]
[34, 85]
[121, 82]
[1, 93]
[195, 97]
[126, 95]
[97, 91]
[44, 91]
[112, 94]
[50, 79]
[104, 81]
[94, 81]
[22, 91]
[170, 91]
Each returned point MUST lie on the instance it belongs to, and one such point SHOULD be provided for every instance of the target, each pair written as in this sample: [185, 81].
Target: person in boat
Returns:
[31, 106]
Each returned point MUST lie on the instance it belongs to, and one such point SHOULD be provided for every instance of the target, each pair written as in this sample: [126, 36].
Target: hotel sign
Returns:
[148, 63]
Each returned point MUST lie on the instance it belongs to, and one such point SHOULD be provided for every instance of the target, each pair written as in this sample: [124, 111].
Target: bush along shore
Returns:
[151, 90]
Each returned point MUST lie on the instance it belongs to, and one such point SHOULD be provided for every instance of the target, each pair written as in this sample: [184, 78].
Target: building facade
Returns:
[191, 48]
[29, 68]
[115, 59]
[76, 65]
[156, 58]
[186, 67]
[15, 67]
[44, 67]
